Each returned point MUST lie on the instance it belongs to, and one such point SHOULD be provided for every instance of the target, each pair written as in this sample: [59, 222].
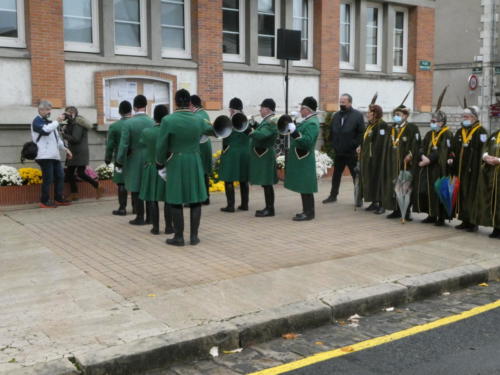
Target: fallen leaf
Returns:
[214, 351]
[347, 349]
[483, 284]
[341, 322]
[389, 309]
[151, 295]
[232, 351]
[319, 343]
[13, 360]
[290, 336]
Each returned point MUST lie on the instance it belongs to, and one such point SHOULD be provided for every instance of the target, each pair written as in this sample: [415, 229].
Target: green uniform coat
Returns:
[467, 166]
[234, 160]
[372, 156]
[262, 154]
[426, 199]
[409, 142]
[131, 151]
[300, 168]
[112, 143]
[178, 148]
[205, 147]
[152, 185]
[486, 210]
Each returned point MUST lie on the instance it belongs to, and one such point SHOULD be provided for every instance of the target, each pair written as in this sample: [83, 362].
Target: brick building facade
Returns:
[90, 53]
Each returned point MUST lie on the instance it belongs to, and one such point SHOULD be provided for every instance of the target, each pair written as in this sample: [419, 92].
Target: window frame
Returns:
[20, 41]
[129, 50]
[93, 47]
[174, 52]
[403, 68]
[349, 65]
[240, 57]
[380, 37]
[310, 32]
[268, 60]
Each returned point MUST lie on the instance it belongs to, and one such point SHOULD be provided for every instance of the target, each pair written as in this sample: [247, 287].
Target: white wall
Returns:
[390, 92]
[252, 88]
[15, 76]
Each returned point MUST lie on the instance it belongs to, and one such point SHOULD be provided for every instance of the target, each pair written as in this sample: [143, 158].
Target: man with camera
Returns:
[45, 134]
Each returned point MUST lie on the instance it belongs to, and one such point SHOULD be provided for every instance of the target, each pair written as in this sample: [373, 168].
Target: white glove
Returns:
[291, 127]
[294, 114]
[118, 170]
[163, 173]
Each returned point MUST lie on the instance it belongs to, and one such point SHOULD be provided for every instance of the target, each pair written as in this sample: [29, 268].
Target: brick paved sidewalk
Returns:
[77, 278]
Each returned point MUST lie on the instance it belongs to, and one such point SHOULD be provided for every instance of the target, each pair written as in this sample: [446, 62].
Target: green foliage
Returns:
[325, 132]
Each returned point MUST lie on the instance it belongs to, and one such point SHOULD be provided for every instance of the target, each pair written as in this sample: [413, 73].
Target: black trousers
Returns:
[80, 171]
[342, 161]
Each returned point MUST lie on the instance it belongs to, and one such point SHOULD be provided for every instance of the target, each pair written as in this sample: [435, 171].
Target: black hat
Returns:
[311, 103]
[236, 103]
[196, 101]
[182, 98]
[140, 101]
[125, 107]
[269, 103]
[160, 111]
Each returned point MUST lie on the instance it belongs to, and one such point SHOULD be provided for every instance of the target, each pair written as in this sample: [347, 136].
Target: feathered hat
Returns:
[439, 115]
[402, 108]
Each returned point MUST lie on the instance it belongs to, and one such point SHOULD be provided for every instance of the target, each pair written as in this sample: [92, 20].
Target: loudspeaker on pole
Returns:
[288, 44]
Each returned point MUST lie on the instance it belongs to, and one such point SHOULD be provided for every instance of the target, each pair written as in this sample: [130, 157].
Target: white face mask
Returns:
[434, 126]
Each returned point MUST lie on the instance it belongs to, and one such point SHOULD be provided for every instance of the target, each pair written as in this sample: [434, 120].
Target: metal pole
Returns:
[286, 87]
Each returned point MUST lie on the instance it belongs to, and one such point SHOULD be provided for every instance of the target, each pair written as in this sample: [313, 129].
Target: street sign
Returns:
[477, 70]
[495, 110]
[425, 65]
[497, 69]
[473, 82]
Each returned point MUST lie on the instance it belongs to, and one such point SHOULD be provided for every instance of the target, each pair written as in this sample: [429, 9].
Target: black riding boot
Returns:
[154, 215]
[269, 198]
[307, 207]
[167, 213]
[195, 218]
[148, 219]
[229, 187]
[244, 190]
[207, 186]
[178, 218]
[139, 208]
[122, 201]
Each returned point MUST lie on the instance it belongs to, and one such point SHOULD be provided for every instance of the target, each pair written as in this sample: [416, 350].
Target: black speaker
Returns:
[288, 44]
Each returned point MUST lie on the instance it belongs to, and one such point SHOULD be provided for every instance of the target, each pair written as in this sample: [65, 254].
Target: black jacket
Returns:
[346, 137]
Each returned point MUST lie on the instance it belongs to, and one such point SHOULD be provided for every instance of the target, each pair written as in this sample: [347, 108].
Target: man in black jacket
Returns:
[346, 130]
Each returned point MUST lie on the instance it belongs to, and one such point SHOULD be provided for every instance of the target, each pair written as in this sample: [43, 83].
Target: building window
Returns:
[347, 35]
[374, 38]
[303, 21]
[81, 31]
[130, 27]
[268, 16]
[400, 48]
[233, 26]
[12, 24]
[175, 28]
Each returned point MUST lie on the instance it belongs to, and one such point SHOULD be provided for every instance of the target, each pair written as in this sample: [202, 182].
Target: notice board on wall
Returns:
[118, 89]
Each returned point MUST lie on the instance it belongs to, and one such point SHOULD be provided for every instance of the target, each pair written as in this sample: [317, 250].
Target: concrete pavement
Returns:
[79, 283]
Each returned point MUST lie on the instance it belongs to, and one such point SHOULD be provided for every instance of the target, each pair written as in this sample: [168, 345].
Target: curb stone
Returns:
[195, 343]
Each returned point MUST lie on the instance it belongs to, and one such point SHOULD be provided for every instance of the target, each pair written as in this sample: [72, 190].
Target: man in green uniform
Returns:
[468, 147]
[205, 146]
[152, 185]
[131, 154]
[433, 164]
[486, 210]
[300, 168]
[372, 152]
[263, 157]
[401, 151]
[112, 143]
[178, 155]
[234, 162]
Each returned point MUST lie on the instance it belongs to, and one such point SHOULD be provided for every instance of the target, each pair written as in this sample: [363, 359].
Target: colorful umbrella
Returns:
[403, 189]
[447, 191]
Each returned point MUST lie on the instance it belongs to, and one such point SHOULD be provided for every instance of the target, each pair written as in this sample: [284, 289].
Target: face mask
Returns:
[397, 119]
[467, 123]
[434, 126]
[343, 108]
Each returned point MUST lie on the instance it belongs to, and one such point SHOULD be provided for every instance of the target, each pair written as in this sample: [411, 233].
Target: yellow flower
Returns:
[31, 176]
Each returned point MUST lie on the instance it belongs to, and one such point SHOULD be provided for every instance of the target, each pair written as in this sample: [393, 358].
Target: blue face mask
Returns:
[397, 119]
[434, 126]
[467, 123]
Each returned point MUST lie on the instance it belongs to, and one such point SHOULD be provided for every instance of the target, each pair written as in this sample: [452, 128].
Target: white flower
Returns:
[323, 162]
[105, 172]
[280, 161]
[9, 176]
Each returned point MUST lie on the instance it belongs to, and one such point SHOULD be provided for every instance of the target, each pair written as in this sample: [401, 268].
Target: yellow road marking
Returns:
[376, 341]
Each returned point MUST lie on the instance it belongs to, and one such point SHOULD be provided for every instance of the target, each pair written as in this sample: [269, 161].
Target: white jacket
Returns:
[50, 142]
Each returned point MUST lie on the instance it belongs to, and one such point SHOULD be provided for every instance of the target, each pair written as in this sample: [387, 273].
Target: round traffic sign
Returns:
[473, 82]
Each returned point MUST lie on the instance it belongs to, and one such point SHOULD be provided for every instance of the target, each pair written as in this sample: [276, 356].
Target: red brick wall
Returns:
[421, 47]
[101, 76]
[207, 50]
[326, 51]
[45, 38]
